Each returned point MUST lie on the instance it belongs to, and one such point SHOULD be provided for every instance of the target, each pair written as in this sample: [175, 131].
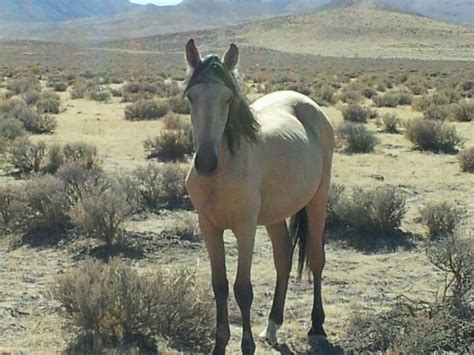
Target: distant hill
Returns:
[358, 30]
[59, 10]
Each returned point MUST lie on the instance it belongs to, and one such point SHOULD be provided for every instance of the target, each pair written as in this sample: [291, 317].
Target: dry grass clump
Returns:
[184, 227]
[146, 110]
[441, 219]
[433, 136]
[391, 123]
[424, 327]
[356, 138]
[466, 160]
[115, 307]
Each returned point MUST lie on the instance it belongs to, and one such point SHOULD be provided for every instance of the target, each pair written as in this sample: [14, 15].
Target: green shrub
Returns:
[31, 97]
[433, 136]
[466, 160]
[334, 205]
[356, 113]
[392, 99]
[356, 138]
[435, 99]
[114, 306]
[441, 219]
[55, 158]
[146, 110]
[25, 156]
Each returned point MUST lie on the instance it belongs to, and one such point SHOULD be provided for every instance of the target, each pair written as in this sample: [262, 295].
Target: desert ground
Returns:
[359, 277]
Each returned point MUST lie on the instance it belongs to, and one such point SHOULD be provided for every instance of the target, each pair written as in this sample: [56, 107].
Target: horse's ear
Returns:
[231, 57]
[192, 54]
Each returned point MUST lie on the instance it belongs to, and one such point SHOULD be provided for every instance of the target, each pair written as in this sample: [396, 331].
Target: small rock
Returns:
[377, 177]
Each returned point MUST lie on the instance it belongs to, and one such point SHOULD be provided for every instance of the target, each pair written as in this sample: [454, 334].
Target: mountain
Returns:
[458, 11]
[59, 10]
[148, 20]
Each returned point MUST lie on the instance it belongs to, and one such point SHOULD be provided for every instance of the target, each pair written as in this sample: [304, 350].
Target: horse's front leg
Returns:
[245, 234]
[213, 238]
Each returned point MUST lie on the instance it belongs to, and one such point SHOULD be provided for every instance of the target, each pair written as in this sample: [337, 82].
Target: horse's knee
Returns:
[243, 294]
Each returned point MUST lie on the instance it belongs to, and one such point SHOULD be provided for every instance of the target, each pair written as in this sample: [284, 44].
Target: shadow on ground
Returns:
[370, 243]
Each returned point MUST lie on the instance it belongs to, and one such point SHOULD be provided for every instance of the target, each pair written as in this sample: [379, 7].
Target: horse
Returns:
[257, 165]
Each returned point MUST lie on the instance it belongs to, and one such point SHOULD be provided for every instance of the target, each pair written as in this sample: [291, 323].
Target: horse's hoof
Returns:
[317, 332]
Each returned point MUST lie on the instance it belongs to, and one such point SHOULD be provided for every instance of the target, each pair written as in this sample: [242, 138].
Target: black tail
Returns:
[299, 232]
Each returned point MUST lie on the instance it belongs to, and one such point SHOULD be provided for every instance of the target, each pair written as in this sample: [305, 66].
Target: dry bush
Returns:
[31, 120]
[114, 306]
[11, 128]
[463, 111]
[179, 105]
[391, 123]
[160, 186]
[335, 204]
[324, 95]
[356, 138]
[441, 219]
[146, 110]
[80, 154]
[356, 113]
[438, 113]
[376, 211]
[31, 97]
[184, 227]
[444, 325]
[392, 99]
[100, 95]
[466, 160]
[41, 204]
[21, 85]
[132, 92]
[350, 95]
[433, 136]
[25, 156]
[10, 205]
[170, 145]
[368, 92]
[101, 212]
[48, 105]
[434, 99]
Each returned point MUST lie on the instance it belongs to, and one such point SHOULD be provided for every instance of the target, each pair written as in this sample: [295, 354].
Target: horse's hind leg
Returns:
[282, 254]
[316, 211]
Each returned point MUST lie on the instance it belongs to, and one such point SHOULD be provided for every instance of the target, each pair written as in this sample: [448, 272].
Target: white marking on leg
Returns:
[269, 334]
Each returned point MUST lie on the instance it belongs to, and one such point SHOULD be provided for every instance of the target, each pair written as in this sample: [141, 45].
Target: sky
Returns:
[156, 2]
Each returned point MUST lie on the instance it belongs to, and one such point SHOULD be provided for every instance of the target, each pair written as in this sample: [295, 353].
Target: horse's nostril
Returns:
[206, 163]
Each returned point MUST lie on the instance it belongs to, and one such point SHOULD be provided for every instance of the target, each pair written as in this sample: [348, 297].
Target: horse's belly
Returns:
[290, 182]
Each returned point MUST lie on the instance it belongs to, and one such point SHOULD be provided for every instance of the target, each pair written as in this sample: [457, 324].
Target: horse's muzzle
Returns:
[206, 160]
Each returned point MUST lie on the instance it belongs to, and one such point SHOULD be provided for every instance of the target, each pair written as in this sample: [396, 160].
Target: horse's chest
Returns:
[221, 200]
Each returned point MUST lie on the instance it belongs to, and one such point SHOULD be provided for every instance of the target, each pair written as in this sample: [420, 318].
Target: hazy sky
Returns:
[157, 2]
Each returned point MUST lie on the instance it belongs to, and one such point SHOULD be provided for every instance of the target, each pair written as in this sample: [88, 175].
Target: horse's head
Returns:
[211, 91]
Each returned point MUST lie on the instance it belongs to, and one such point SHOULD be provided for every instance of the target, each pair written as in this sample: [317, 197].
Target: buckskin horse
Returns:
[257, 165]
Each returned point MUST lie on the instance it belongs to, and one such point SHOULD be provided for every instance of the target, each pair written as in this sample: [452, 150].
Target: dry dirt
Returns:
[31, 321]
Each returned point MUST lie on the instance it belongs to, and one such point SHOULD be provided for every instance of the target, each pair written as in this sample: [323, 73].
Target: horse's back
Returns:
[296, 138]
